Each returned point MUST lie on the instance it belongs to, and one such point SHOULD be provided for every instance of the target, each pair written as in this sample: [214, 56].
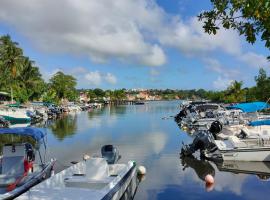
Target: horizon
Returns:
[107, 45]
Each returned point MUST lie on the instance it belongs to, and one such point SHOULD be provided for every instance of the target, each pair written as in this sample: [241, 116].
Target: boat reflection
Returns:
[260, 169]
[202, 168]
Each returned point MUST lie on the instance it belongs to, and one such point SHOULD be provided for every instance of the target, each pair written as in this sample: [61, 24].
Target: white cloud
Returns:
[85, 77]
[254, 60]
[99, 29]
[110, 78]
[222, 83]
[93, 78]
[128, 30]
[190, 38]
[215, 66]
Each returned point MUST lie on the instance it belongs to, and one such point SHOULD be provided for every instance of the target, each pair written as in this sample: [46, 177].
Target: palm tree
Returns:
[235, 93]
[11, 56]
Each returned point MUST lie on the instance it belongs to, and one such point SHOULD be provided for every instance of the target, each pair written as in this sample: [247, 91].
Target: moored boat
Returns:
[90, 179]
[20, 167]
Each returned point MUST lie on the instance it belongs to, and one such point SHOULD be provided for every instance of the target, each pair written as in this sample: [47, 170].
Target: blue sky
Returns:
[130, 44]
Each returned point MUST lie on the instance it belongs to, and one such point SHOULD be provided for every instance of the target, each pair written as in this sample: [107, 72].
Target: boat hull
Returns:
[260, 154]
[16, 120]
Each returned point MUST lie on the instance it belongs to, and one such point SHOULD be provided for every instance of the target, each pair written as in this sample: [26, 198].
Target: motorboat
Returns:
[23, 160]
[15, 115]
[92, 178]
[247, 146]
[249, 149]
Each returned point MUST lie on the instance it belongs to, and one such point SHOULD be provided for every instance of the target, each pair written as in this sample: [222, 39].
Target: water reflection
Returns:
[260, 169]
[64, 127]
[202, 168]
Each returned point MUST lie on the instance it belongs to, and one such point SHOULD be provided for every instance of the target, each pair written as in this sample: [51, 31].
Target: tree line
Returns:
[21, 78]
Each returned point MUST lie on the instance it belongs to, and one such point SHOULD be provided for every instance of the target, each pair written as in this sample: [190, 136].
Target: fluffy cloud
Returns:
[96, 78]
[85, 78]
[93, 78]
[215, 66]
[99, 29]
[254, 60]
[190, 38]
[128, 30]
[110, 78]
[222, 83]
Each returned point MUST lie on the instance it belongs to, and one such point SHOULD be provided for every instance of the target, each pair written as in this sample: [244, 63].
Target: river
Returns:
[142, 134]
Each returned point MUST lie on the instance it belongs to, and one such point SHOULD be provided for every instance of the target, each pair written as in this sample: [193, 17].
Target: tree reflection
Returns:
[64, 127]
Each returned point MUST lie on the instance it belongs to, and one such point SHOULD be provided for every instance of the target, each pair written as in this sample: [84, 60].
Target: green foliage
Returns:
[249, 17]
[64, 86]
[18, 72]
[235, 93]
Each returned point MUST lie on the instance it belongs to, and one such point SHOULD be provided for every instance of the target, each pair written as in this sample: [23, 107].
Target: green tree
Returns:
[235, 93]
[18, 73]
[63, 85]
[262, 85]
[249, 17]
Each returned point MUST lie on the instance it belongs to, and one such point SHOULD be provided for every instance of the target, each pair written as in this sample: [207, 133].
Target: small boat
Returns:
[93, 179]
[20, 167]
[139, 103]
[249, 149]
[15, 115]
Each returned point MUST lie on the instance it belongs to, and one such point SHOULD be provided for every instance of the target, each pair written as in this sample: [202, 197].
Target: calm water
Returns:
[142, 135]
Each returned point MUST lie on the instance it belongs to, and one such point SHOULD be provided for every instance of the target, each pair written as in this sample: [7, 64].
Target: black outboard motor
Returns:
[215, 128]
[203, 141]
[110, 153]
[182, 114]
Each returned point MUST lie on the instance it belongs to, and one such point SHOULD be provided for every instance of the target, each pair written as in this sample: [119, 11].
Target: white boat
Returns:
[250, 149]
[91, 179]
[15, 115]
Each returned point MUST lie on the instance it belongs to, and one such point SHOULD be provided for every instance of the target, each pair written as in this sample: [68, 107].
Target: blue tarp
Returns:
[250, 107]
[260, 122]
[35, 133]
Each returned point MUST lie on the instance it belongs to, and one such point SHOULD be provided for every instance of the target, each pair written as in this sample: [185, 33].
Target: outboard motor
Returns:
[215, 128]
[204, 140]
[110, 153]
[182, 114]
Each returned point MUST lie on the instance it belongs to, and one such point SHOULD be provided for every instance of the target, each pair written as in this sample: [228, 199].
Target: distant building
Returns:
[84, 97]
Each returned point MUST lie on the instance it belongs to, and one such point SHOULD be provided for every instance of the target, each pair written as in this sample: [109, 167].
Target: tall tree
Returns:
[249, 17]
[64, 85]
[262, 86]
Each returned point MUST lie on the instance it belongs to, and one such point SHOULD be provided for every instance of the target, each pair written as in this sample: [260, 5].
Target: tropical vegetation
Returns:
[249, 17]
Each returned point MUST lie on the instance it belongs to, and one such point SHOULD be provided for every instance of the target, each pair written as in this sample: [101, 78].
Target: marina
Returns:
[154, 144]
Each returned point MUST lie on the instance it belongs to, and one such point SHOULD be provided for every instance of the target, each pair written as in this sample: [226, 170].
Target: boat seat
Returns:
[12, 164]
[96, 168]
[236, 142]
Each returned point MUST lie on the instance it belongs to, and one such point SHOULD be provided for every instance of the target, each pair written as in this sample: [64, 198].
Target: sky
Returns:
[129, 44]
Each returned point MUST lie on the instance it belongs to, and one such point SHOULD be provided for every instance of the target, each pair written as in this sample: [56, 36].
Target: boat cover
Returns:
[250, 107]
[35, 133]
[260, 122]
